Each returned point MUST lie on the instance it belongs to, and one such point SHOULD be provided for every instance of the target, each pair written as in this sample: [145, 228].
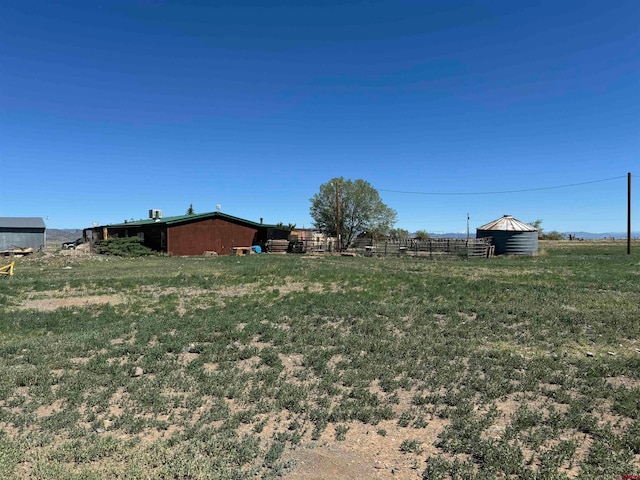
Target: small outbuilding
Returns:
[510, 236]
[22, 233]
[196, 234]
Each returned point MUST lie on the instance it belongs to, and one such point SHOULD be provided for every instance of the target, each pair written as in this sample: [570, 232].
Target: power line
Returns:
[506, 191]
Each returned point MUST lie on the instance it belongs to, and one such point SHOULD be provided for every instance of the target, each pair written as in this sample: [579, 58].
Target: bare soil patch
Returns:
[189, 297]
[338, 462]
[47, 410]
[623, 381]
[51, 304]
[365, 453]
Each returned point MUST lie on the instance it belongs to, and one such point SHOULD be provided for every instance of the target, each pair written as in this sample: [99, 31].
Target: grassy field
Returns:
[280, 365]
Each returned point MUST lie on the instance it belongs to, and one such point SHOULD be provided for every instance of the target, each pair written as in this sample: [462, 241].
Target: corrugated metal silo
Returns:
[510, 236]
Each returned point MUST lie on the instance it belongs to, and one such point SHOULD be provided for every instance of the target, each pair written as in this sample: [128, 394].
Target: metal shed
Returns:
[510, 236]
[22, 232]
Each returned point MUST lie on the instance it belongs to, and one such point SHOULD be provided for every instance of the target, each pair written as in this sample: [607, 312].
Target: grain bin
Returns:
[510, 236]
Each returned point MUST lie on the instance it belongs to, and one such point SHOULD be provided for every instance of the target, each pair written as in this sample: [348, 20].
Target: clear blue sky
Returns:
[111, 108]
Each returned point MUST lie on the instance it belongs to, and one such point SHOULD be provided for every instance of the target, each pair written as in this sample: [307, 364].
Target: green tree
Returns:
[282, 226]
[422, 235]
[537, 224]
[554, 235]
[399, 234]
[190, 210]
[349, 207]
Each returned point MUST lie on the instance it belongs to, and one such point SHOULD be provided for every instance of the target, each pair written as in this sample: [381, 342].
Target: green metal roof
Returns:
[189, 218]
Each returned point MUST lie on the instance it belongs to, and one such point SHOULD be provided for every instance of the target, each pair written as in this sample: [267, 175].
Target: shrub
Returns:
[554, 235]
[123, 247]
[411, 446]
[341, 432]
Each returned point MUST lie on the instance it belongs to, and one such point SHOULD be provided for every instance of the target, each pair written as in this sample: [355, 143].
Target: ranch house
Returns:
[185, 235]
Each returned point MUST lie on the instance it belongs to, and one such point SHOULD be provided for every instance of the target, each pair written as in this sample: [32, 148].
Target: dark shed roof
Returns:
[22, 222]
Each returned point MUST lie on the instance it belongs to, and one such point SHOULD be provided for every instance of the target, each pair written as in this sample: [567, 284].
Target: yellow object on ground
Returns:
[7, 269]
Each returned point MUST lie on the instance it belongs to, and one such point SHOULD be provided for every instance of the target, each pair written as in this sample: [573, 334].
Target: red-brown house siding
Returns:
[216, 234]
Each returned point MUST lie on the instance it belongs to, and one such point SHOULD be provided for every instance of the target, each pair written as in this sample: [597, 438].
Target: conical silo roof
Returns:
[507, 223]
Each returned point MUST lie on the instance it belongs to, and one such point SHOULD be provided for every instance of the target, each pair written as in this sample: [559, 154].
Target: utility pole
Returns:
[338, 229]
[629, 213]
[467, 235]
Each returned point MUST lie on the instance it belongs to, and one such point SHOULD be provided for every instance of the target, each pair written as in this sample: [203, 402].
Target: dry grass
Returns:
[356, 368]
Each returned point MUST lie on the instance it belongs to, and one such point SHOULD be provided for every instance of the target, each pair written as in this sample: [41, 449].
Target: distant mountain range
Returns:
[594, 236]
[57, 235]
[582, 235]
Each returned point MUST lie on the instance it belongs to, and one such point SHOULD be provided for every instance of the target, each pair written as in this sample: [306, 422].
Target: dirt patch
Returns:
[251, 364]
[292, 286]
[255, 342]
[334, 361]
[47, 410]
[623, 381]
[337, 462]
[120, 361]
[617, 423]
[79, 360]
[238, 290]
[186, 358]
[292, 363]
[511, 403]
[188, 298]
[122, 341]
[365, 453]
[210, 367]
[51, 304]
[182, 291]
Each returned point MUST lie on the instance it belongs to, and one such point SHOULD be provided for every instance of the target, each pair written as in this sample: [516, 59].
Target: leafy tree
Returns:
[190, 210]
[537, 224]
[282, 226]
[399, 234]
[359, 209]
[422, 235]
[554, 235]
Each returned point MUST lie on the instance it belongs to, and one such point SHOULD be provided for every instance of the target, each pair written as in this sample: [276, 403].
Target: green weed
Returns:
[242, 360]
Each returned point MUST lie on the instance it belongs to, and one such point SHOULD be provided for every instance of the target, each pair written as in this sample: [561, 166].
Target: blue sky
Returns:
[111, 108]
